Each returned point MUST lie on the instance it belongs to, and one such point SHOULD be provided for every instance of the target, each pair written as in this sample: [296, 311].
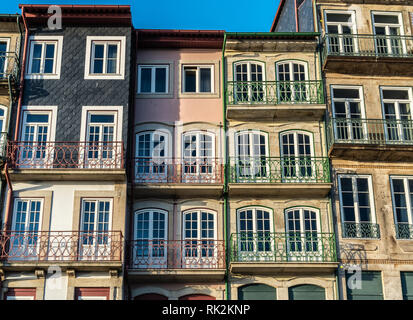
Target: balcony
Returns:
[9, 72]
[404, 231]
[361, 230]
[266, 100]
[171, 260]
[23, 249]
[66, 160]
[267, 252]
[377, 52]
[178, 177]
[280, 176]
[378, 139]
[3, 145]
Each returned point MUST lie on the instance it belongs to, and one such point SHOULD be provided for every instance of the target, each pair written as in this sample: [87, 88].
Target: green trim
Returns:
[256, 206]
[292, 60]
[296, 130]
[303, 207]
[249, 60]
[267, 133]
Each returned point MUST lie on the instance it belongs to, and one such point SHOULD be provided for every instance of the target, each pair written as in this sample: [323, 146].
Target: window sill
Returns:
[199, 95]
[104, 77]
[154, 95]
[41, 76]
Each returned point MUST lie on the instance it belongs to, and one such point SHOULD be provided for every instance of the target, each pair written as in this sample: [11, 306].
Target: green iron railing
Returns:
[369, 131]
[367, 45]
[279, 170]
[361, 230]
[404, 230]
[283, 247]
[3, 144]
[9, 66]
[274, 92]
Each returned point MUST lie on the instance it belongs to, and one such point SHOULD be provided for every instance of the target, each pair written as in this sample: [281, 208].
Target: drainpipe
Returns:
[16, 132]
[224, 109]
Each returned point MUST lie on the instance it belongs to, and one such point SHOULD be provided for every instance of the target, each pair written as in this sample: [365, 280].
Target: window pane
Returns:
[386, 19]
[190, 79]
[205, 85]
[336, 17]
[160, 80]
[35, 66]
[37, 51]
[48, 66]
[102, 118]
[146, 76]
[37, 117]
[112, 51]
[50, 51]
[396, 94]
[98, 66]
[346, 93]
[99, 48]
[111, 66]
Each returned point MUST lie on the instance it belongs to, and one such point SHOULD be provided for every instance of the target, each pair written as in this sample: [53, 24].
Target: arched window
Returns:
[253, 240]
[197, 297]
[150, 296]
[149, 248]
[198, 155]
[151, 156]
[257, 291]
[251, 150]
[249, 80]
[297, 155]
[199, 237]
[292, 86]
[306, 292]
[303, 234]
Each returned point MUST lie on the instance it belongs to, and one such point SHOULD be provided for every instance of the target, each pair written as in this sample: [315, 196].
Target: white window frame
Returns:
[4, 118]
[355, 197]
[352, 26]
[407, 192]
[250, 91]
[198, 78]
[58, 40]
[153, 68]
[386, 25]
[7, 40]
[120, 75]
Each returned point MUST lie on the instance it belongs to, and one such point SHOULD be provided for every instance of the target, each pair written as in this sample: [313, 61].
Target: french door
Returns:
[388, 31]
[340, 27]
[149, 248]
[291, 87]
[249, 86]
[3, 59]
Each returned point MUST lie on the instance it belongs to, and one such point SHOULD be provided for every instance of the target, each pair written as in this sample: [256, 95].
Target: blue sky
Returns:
[229, 15]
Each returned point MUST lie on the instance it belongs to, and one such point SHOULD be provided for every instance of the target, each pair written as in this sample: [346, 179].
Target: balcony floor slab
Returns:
[176, 275]
[255, 267]
[279, 189]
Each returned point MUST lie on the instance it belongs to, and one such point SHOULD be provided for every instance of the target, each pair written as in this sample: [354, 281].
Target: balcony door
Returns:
[150, 245]
[402, 196]
[251, 156]
[340, 29]
[388, 30]
[254, 238]
[396, 103]
[100, 135]
[291, 77]
[95, 237]
[25, 235]
[4, 45]
[200, 249]
[198, 156]
[249, 86]
[297, 156]
[35, 151]
[303, 228]
[348, 113]
[151, 163]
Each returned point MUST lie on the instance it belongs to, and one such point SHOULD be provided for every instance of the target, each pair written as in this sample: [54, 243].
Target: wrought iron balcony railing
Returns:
[274, 92]
[369, 131]
[176, 254]
[171, 170]
[9, 66]
[404, 230]
[65, 155]
[361, 230]
[65, 246]
[283, 247]
[3, 145]
[367, 45]
[279, 170]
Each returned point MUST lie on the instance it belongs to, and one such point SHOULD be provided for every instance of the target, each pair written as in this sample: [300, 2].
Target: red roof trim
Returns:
[277, 15]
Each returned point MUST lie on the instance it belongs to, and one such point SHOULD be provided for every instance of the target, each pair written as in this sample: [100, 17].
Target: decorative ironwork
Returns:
[404, 231]
[176, 254]
[3, 145]
[61, 246]
[275, 92]
[279, 170]
[283, 247]
[369, 131]
[9, 66]
[65, 155]
[171, 170]
[361, 230]
[367, 45]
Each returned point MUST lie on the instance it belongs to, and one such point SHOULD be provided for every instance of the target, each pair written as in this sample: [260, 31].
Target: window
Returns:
[92, 293]
[198, 157]
[292, 86]
[45, 54]
[199, 237]
[407, 284]
[3, 117]
[369, 287]
[348, 113]
[297, 155]
[306, 292]
[402, 196]
[20, 294]
[388, 29]
[340, 27]
[396, 103]
[257, 291]
[303, 228]
[251, 155]
[357, 207]
[151, 162]
[198, 79]
[105, 57]
[249, 85]
[254, 234]
[149, 249]
[4, 48]
[153, 79]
